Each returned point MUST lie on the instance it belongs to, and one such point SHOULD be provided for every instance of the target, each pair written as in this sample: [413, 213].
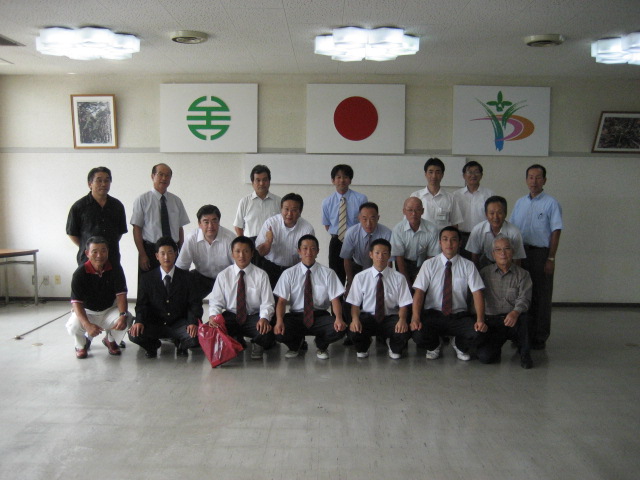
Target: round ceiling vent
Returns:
[547, 40]
[190, 37]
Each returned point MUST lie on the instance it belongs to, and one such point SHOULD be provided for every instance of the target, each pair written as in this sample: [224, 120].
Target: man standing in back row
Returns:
[157, 213]
[539, 218]
[97, 214]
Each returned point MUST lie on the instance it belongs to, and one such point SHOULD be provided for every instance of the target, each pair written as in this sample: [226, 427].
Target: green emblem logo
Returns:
[208, 119]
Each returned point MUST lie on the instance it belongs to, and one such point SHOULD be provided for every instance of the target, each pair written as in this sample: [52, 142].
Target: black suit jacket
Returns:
[156, 306]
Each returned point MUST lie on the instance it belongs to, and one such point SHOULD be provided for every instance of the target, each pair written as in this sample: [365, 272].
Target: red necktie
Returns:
[447, 291]
[308, 300]
[379, 299]
[241, 300]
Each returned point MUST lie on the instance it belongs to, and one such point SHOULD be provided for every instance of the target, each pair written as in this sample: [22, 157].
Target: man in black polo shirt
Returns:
[97, 214]
[98, 300]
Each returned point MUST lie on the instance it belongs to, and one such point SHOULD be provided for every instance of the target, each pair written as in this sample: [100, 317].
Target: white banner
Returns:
[355, 118]
[511, 121]
[209, 117]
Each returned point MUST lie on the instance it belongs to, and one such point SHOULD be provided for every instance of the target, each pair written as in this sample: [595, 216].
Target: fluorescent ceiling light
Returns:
[352, 44]
[617, 50]
[89, 43]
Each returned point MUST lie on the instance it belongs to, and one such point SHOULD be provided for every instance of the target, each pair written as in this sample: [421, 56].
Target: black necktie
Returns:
[167, 282]
[241, 300]
[164, 217]
[308, 300]
[379, 299]
[447, 291]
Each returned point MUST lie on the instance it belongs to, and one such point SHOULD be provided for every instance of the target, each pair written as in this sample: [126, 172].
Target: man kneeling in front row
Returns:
[168, 305]
[507, 299]
[442, 285]
[242, 295]
[98, 300]
[310, 288]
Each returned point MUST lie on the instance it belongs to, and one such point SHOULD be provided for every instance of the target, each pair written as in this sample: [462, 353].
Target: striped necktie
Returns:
[342, 219]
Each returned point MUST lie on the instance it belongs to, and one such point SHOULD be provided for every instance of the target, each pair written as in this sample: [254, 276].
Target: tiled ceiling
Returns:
[457, 37]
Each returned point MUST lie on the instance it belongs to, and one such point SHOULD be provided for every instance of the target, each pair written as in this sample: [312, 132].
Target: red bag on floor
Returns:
[216, 344]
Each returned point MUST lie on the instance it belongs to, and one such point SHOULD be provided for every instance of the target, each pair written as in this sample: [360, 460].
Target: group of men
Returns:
[461, 270]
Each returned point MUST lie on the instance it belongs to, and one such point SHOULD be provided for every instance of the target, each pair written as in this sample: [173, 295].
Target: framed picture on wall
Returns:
[618, 132]
[94, 121]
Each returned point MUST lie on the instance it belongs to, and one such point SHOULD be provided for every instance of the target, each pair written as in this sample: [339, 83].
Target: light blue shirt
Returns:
[415, 246]
[537, 218]
[331, 209]
[355, 248]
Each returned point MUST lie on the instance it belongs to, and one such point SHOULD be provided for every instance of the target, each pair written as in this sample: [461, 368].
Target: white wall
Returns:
[41, 175]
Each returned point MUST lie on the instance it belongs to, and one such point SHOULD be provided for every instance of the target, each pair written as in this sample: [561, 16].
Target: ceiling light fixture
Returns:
[88, 43]
[624, 49]
[352, 44]
[546, 40]
[189, 37]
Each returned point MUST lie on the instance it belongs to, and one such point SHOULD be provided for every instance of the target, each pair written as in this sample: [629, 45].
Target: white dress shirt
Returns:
[396, 291]
[257, 288]
[253, 211]
[430, 280]
[324, 282]
[442, 209]
[284, 249]
[209, 260]
[481, 240]
[472, 206]
[146, 215]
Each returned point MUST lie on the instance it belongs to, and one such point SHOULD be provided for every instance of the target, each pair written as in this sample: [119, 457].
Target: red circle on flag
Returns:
[355, 118]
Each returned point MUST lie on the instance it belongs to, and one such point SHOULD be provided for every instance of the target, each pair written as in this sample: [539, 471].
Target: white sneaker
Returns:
[433, 354]
[395, 356]
[291, 354]
[256, 351]
[465, 357]
[322, 354]
[362, 354]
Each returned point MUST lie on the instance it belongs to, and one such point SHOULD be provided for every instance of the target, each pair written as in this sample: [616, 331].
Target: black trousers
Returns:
[202, 284]
[435, 324]
[542, 293]
[385, 329]
[248, 329]
[490, 344]
[322, 329]
[149, 339]
[336, 263]
[273, 270]
[346, 307]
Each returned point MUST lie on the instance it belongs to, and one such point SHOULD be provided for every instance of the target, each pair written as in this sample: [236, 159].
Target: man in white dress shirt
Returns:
[255, 208]
[250, 318]
[157, 213]
[441, 286]
[471, 200]
[380, 298]
[310, 288]
[208, 248]
[278, 238]
[480, 243]
[440, 206]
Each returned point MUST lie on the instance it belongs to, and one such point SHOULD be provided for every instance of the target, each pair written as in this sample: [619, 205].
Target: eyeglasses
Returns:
[502, 250]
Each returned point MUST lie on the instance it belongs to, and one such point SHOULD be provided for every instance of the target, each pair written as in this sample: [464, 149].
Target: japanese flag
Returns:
[355, 118]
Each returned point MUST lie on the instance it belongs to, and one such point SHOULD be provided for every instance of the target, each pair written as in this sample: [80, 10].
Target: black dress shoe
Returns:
[122, 344]
[526, 362]
[182, 352]
[151, 353]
